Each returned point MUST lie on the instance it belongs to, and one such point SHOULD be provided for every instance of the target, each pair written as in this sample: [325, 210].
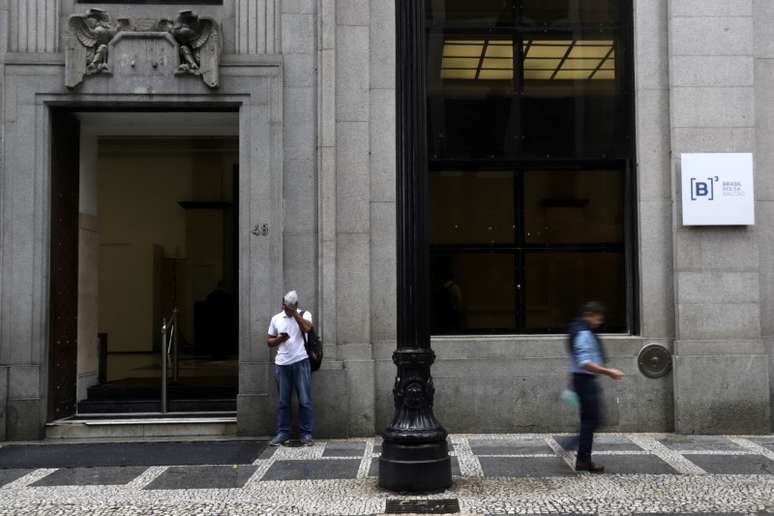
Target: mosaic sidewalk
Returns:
[493, 474]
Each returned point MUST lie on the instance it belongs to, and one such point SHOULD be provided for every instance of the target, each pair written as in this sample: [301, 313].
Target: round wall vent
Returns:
[655, 360]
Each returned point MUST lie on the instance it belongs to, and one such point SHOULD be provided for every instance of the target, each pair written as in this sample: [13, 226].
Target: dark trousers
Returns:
[587, 389]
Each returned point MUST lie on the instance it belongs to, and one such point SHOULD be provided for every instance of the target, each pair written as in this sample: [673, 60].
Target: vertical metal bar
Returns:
[102, 360]
[164, 366]
[519, 184]
[175, 348]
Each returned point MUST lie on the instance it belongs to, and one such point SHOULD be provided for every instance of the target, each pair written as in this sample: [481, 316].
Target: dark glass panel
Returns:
[574, 102]
[471, 207]
[479, 14]
[573, 207]
[470, 95]
[574, 127]
[465, 128]
[472, 291]
[569, 12]
[558, 283]
[523, 81]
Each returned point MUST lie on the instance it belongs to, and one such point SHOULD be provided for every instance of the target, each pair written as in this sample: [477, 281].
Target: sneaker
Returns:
[307, 441]
[587, 465]
[279, 440]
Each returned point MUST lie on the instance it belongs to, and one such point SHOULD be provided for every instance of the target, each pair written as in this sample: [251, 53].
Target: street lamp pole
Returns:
[415, 455]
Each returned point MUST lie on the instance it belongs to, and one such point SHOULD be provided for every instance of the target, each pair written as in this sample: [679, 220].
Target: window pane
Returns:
[569, 57]
[470, 128]
[480, 14]
[574, 127]
[557, 284]
[472, 291]
[539, 12]
[470, 94]
[540, 87]
[472, 207]
[574, 207]
[574, 102]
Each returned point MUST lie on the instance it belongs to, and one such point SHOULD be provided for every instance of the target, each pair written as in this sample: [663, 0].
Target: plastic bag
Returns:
[570, 397]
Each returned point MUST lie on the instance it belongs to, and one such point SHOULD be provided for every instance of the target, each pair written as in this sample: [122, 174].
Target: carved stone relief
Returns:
[90, 39]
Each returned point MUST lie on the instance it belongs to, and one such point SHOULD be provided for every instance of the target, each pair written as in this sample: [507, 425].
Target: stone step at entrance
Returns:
[111, 426]
[204, 394]
[134, 406]
[149, 390]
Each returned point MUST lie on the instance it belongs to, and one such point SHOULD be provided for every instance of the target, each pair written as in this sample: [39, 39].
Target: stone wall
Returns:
[721, 364]
[33, 25]
[763, 51]
[256, 26]
[3, 368]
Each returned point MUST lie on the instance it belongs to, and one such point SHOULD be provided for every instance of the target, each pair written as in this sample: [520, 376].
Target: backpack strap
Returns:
[306, 335]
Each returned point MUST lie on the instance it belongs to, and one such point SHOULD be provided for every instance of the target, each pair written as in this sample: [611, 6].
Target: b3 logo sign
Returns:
[717, 189]
[703, 189]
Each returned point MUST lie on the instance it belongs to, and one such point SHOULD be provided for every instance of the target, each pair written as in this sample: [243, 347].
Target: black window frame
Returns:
[624, 160]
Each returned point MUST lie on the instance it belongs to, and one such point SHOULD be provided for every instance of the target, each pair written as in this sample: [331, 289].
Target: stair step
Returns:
[151, 392]
[135, 406]
[121, 427]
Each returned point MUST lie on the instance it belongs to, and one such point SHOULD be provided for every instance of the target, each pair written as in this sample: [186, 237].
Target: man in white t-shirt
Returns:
[292, 369]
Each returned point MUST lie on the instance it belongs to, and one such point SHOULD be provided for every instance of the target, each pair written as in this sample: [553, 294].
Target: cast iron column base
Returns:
[415, 456]
[415, 468]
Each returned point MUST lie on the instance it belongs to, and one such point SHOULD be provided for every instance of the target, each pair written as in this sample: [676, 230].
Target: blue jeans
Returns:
[296, 376]
[587, 389]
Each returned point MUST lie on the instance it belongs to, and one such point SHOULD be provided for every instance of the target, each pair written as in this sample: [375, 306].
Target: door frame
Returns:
[97, 123]
[254, 88]
[64, 284]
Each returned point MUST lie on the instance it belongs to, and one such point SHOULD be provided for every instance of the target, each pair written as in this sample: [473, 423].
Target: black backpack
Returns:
[314, 348]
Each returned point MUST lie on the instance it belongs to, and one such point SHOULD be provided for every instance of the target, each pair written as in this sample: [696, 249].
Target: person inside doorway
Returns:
[587, 359]
[448, 300]
[221, 323]
[292, 369]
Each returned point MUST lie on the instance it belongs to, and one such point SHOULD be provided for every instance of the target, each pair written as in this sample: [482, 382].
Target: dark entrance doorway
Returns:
[152, 232]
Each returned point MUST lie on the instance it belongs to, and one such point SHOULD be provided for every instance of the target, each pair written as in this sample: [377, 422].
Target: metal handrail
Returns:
[169, 349]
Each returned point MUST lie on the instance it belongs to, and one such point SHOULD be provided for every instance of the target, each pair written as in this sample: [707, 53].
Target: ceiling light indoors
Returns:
[490, 59]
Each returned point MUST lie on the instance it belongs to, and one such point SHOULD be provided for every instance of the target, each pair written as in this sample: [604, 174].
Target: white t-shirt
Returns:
[292, 350]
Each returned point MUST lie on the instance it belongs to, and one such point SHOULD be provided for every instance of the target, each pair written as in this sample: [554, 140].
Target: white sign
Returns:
[718, 189]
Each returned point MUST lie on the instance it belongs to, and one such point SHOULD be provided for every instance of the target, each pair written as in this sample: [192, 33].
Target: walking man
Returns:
[292, 370]
[587, 359]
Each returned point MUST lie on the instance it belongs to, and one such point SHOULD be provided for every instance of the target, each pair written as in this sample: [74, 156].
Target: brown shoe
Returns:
[583, 465]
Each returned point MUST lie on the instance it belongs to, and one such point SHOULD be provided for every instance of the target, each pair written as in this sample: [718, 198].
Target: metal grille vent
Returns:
[395, 506]
[655, 361]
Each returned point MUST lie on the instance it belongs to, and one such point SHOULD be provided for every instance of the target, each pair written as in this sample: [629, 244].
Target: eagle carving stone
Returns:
[86, 44]
[200, 46]
[89, 38]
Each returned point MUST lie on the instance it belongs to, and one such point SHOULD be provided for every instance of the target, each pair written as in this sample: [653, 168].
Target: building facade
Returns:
[200, 159]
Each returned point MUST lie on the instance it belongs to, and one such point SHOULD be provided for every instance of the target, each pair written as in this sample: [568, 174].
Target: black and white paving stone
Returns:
[493, 474]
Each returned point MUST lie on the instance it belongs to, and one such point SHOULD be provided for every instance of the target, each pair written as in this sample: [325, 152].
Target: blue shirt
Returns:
[585, 349]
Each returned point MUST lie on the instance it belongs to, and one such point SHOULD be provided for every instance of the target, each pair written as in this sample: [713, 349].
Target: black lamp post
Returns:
[415, 456]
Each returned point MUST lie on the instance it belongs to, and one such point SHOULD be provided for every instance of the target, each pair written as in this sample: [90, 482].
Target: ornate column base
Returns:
[415, 455]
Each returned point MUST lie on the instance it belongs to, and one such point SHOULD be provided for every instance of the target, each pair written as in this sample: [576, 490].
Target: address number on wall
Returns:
[260, 230]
